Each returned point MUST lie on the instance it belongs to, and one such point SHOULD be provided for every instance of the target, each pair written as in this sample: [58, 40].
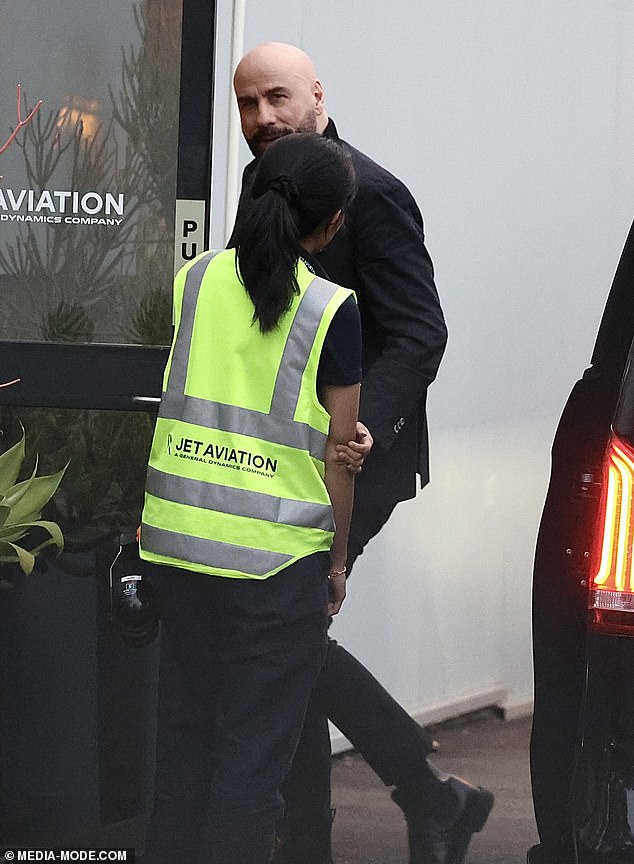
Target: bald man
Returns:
[278, 93]
[380, 253]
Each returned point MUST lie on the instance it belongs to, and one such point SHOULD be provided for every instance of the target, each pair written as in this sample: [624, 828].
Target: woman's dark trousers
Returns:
[246, 655]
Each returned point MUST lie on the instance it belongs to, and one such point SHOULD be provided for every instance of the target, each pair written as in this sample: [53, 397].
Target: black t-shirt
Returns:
[340, 361]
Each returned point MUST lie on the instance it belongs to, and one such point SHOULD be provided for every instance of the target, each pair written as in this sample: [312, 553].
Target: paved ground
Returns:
[369, 828]
[482, 747]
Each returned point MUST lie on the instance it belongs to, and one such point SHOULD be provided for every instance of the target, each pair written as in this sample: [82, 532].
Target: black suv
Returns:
[582, 744]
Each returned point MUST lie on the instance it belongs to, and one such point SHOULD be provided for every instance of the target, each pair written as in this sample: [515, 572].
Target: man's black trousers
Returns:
[247, 654]
[389, 740]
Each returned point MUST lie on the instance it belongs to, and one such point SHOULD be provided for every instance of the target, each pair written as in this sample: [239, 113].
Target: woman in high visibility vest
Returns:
[248, 504]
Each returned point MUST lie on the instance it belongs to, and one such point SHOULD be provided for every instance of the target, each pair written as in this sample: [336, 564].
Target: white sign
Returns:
[189, 238]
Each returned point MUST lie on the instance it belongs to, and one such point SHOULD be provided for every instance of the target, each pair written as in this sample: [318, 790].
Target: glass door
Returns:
[105, 141]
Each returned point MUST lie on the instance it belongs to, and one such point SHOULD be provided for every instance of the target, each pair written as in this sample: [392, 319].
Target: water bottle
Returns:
[134, 612]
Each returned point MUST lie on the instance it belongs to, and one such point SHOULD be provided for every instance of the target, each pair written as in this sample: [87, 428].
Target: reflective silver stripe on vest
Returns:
[298, 345]
[177, 405]
[225, 556]
[242, 421]
[238, 502]
[180, 354]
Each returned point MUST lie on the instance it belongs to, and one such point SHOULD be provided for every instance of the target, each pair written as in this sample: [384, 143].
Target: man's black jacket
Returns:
[380, 253]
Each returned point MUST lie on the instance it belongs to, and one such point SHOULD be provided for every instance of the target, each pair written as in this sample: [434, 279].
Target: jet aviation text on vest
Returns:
[229, 457]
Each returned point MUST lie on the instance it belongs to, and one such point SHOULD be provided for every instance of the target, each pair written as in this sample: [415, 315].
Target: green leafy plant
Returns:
[23, 533]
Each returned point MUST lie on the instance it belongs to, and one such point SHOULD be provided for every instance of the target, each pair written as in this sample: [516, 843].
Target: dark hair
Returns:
[301, 181]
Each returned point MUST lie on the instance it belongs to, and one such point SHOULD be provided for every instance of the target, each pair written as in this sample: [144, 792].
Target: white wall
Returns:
[511, 121]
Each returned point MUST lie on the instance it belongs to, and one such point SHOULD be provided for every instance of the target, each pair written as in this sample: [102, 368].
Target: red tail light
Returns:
[611, 597]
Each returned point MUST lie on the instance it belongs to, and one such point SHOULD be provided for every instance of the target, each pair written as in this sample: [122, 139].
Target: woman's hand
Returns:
[353, 454]
[336, 590]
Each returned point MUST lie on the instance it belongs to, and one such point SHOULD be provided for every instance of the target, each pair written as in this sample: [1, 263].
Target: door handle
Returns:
[147, 400]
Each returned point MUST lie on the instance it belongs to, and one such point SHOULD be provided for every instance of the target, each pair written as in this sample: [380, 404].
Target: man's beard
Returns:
[261, 138]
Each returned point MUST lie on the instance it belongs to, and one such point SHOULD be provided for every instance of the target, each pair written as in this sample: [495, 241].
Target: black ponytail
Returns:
[267, 257]
[302, 180]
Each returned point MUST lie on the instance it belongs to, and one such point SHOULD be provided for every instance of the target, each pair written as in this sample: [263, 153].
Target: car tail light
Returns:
[611, 596]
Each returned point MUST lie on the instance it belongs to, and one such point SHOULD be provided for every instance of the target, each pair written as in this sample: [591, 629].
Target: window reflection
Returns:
[87, 197]
[101, 493]
[80, 113]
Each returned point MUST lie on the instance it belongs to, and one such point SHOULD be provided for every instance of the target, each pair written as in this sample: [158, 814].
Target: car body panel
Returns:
[568, 687]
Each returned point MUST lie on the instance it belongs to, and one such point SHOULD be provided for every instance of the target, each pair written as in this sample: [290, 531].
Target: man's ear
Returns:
[320, 99]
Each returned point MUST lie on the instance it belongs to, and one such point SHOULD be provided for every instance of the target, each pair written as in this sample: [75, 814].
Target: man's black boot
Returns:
[545, 854]
[440, 833]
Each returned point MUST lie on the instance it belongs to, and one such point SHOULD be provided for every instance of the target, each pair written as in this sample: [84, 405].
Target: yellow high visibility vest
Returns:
[235, 484]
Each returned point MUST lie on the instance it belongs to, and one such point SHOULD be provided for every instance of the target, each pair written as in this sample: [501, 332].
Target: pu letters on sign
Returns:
[189, 235]
[189, 227]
